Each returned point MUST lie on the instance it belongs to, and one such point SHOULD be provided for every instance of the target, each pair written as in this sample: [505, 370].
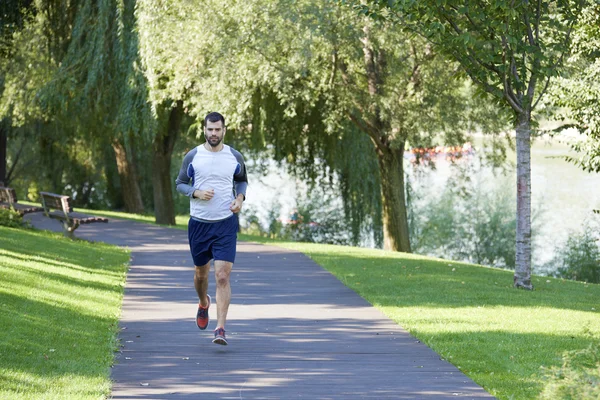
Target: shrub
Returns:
[250, 223]
[466, 221]
[579, 257]
[577, 378]
[320, 220]
[11, 218]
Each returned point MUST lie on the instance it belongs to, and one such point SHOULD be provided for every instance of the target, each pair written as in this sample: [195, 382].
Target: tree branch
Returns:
[369, 129]
[537, 20]
[506, 85]
[529, 31]
[12, 168]
[559, 62]
[470, 54]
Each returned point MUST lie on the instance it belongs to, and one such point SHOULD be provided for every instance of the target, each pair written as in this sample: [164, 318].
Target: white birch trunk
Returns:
[522, 278]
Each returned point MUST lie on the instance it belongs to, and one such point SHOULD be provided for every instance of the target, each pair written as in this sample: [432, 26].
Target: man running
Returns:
[213, 176]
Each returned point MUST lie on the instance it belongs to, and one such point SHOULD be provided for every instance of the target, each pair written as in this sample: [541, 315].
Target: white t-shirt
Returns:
[224, 171]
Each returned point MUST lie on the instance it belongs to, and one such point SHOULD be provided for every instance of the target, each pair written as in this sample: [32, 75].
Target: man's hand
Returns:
[204, 194]
[236, 205]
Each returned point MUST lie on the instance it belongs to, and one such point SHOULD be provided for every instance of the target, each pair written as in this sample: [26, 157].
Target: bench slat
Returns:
[57, 201]
[8, 199]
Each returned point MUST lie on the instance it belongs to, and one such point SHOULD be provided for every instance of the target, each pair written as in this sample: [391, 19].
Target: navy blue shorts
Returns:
[210, 240]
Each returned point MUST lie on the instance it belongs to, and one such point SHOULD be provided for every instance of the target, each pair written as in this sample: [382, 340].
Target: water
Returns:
[563, 195]
[566, 194]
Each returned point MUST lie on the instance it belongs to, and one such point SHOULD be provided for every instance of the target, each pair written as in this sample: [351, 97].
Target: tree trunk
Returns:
[522, 278]
[3, 152]
[393, 200]
[164, 142]
[132, 195]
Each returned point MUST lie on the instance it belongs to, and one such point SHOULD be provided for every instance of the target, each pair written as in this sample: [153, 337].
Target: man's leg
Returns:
[222, 272]
[201, 283]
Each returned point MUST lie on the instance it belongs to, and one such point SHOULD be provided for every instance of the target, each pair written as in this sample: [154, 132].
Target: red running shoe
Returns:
[202, 315]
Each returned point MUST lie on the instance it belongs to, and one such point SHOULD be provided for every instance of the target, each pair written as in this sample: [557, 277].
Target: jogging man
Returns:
[213, 176]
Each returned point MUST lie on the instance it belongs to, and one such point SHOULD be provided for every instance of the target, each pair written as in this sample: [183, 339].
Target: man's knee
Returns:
[202, 271]
[222, 280]
[222, 272]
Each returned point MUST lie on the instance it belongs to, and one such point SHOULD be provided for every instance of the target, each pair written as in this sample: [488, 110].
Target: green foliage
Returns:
[74, 86]
[300, 93]
[506, 48]
[319, 220]
[10, 218]
[465, 222]
[577, 92]
[577, 378]
[579, 257]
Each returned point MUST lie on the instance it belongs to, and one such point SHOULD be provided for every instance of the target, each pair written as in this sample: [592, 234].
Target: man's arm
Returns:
[186, 175]
[240, 183]
[240, 177]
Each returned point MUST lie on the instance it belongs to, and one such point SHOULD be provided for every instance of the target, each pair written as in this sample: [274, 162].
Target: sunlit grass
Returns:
[60, 303]
[471, 315]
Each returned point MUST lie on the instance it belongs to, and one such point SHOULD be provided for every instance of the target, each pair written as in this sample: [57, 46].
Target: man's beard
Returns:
[213, 144]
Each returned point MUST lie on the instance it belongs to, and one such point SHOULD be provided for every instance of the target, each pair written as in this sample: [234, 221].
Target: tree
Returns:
[293, 77]
[510, 50]
[34, 52]
[12, 17]
[93, 93]
[577, 91]
[99, 91]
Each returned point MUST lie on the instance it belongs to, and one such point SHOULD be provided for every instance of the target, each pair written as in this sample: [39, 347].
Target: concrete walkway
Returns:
[294, 330]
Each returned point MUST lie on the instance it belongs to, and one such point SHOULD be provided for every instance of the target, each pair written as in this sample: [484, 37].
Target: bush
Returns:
[320, 220]
[579, 257]
[250, 223]
[11, 218]
[466, 222]
[577, 378]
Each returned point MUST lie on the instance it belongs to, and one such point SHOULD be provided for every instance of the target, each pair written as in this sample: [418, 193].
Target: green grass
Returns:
[60, 302]
[471, 315]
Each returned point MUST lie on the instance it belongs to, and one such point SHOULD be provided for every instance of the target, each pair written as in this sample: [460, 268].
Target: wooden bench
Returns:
[8, 199]
[58, 206]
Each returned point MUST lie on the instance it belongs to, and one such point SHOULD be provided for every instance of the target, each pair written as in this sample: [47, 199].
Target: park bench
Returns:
[8, 199]
[58, 206]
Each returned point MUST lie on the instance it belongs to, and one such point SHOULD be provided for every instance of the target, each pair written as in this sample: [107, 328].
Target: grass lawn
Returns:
[60, 302]
[471, 315]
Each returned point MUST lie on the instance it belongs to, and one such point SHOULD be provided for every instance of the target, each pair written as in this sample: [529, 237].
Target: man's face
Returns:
[214, 132]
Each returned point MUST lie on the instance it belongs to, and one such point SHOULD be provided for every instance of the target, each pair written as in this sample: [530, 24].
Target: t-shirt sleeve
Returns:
[185, 178]
[240, 177]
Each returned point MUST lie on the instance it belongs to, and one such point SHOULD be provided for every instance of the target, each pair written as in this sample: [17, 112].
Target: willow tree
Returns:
[100, 88]
[12, 18]
[511, 50]
[294, 76]
[36, 45]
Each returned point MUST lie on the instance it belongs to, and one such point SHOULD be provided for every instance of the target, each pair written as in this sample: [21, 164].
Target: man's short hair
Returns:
[214, 117]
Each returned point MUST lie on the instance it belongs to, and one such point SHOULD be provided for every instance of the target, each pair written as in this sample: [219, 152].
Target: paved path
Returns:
[294, 330]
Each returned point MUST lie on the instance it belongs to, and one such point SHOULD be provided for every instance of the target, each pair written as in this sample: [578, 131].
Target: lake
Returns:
[562, 194]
